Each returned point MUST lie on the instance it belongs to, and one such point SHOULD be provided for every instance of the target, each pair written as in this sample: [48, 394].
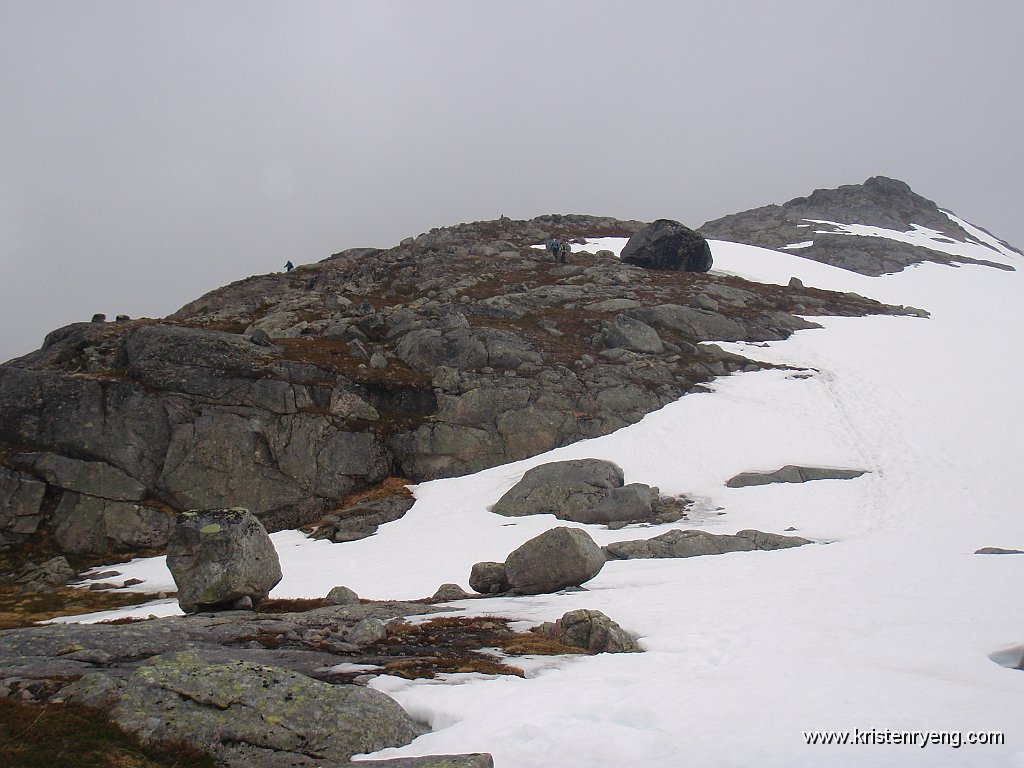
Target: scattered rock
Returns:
[342, 596]
[99, 317]
[55, 572]
[796, 282]
[565, 489]
[592, 631]
[448, 592]
[792, 474]
[488, 578]
[559, 558]
[998, 551]
[632, 334]
[693, 543]
[362, 520]
[668, 245]
[218, 556]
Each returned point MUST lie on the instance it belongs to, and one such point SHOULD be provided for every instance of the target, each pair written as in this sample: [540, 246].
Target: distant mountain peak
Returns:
[880, 202]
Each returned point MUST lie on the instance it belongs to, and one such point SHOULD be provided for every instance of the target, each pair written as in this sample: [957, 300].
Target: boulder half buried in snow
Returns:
[559, 558]
[792, 474]
[668, 245]
[219, 557]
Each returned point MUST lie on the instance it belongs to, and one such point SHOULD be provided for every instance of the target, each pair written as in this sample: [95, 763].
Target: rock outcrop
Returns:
[806, 225]
[220, 557]
[457, 350]
[238, 705]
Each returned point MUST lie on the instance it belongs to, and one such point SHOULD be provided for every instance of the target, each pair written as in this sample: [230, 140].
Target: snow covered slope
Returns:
[885, 625]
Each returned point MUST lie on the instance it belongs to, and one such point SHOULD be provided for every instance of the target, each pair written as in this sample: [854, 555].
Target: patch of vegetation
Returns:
[390, 486]
[23, 609]
[33, 736]
[292, 605]
[452, 644]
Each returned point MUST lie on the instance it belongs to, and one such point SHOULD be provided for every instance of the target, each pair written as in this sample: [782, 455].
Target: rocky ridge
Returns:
[290, 393]
[806, 225]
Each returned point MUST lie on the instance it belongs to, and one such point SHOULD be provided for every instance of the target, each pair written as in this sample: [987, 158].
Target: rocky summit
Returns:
[817, 227]
[289, 394]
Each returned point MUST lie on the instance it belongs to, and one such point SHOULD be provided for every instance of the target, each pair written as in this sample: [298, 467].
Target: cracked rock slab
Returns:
[211, 706]
[792, 474]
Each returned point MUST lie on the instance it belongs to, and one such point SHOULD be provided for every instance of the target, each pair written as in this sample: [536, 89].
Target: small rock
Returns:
[342, 596]
[367, 632]
[99, 317]
[488, 578]
[448, 592]
[591, 631]
[998, 551]
[796, 282]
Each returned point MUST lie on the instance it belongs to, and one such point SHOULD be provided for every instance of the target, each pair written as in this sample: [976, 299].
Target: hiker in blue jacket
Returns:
[559, 250]
[288, 267]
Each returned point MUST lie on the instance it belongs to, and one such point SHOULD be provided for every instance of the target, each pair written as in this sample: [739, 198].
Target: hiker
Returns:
[559, 250]
[288, 267]
[553, 246]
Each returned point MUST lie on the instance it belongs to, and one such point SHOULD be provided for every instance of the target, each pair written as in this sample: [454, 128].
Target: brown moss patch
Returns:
[391, 486]
[34, 736]
[455, 644]
[292, 605]
[22, 609]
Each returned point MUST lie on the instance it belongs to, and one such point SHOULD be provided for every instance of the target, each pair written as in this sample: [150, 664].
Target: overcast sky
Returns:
[150, 152]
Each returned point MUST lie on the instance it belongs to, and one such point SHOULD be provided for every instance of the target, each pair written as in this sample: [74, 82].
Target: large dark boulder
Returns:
[668, 245]
[220, 556]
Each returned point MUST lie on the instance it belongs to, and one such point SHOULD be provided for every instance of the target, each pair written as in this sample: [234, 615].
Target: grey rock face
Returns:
[21, 498]
[792, 474]
[219, 556]
[488, 578]
[214, 706]
[676, 543]
[89, 477]
[558, 558]
[592, 631]
[668, 245]
[566, 489]
[92, 525]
